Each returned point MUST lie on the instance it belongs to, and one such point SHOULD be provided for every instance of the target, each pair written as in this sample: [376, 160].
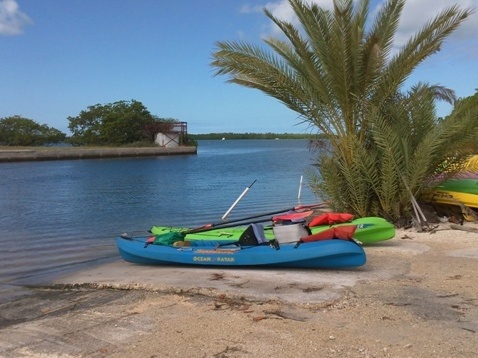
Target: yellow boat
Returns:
[454, 203]
[459, 195]
[447, 197]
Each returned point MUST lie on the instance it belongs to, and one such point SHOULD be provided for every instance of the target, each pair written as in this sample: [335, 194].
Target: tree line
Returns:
[20, 131]
[113, 124]
[231, 135]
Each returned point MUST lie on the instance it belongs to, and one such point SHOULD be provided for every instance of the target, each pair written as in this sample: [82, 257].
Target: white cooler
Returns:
[289, 233]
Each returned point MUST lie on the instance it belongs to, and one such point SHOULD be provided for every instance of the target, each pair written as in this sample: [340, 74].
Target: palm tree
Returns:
[344, 78]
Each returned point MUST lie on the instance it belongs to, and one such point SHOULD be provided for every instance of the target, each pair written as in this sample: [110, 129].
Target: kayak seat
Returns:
[253, 236]
[259, 232]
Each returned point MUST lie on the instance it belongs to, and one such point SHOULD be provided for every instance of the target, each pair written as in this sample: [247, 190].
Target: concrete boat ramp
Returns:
[100, 311]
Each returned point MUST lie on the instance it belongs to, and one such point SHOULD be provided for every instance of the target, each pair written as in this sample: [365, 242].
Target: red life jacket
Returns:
[330, 219]
[345, 232]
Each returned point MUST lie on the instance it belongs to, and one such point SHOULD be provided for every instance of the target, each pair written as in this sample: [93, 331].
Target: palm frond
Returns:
[339, 71]
[423, 44]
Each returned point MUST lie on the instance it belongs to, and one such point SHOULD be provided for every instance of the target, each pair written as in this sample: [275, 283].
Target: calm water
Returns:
[64, 215]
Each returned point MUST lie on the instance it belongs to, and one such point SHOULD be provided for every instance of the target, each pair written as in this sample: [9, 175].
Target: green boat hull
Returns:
[369, 229]
[467, 185]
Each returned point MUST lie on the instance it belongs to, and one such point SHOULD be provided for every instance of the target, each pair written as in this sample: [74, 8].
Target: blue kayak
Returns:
[327, 254]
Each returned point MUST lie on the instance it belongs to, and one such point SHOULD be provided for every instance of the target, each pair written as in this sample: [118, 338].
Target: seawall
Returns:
[71, 153]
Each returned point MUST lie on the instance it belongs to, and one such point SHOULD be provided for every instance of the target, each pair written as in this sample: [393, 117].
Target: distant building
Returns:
[173, 136]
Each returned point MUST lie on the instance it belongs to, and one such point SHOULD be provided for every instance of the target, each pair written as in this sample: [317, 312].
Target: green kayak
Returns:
[369, 230]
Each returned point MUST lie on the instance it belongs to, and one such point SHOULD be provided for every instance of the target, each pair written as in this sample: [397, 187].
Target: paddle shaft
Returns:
[300, 188]
[212, 226]
[225, 226]
[237, 201]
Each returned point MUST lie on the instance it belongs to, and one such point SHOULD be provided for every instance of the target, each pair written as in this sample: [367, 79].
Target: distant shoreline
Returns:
[71, 153]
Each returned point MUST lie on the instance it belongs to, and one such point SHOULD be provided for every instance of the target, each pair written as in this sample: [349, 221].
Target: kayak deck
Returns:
[369, 230]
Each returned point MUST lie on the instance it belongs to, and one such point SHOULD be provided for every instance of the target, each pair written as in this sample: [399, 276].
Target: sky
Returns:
[58, 57]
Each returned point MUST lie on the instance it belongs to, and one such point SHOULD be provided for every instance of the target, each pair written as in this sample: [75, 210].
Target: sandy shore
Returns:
[417, 296]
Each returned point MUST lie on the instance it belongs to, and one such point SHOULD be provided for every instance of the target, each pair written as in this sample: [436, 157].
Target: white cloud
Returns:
[282, 10]
[12, 20]
[417, 12]
[248, 9]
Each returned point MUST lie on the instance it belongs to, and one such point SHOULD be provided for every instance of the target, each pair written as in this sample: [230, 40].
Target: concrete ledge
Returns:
[22, 155]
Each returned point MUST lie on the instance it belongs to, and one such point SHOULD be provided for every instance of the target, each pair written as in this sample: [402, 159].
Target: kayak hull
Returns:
[461, 185]
[456, 197]
[448, 197]
[329, 254]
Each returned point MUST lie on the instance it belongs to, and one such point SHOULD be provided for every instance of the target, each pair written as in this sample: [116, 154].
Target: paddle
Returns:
[226, 214]
[212, 226]
[226, 225]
